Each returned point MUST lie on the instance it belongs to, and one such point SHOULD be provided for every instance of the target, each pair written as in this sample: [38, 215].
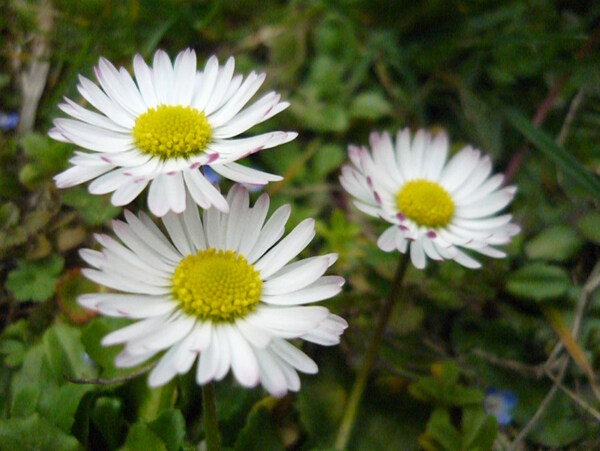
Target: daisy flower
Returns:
[219, 288]
[161, 128]
[436, 208]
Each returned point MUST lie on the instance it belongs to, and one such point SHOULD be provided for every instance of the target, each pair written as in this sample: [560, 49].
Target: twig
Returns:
[543, 405]
[584, 405]
[573, 107]
[590, 285]
[536, 371]
[115, 380]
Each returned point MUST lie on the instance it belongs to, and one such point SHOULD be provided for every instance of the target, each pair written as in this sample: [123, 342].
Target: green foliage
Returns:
[35, 281]
[259, 432]
[539, 282]
[94, 210]
[558, 243]
[34, 432]
[444, 388]
[478, 431]
[46, 158]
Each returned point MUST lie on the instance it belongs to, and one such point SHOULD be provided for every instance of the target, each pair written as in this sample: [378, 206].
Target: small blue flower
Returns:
[500, 404]
[211, 175]
[8, 121]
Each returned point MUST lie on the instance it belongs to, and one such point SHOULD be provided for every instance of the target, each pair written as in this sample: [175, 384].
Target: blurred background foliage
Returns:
[501, 358]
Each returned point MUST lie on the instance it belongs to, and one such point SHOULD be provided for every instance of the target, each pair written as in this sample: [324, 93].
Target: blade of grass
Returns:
[571, 167]
[564, 334]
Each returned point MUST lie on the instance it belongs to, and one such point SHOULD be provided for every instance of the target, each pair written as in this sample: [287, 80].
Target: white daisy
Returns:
[162, 128]
[435, 207]
[220, 288]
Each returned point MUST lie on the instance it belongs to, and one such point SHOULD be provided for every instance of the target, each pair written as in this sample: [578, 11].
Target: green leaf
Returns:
[589, 226]
[60, 405]
[35, 281]
[539, 282]
[327, 159]
[104, 356]
[545, 144]
[443, 388]
[34, 433]
[65, 352]
[478, 429]
[95, 210]
[170, 427]
[28, 382]
[13, 351]
[558, 243]
[141, 438]
[107, 416]
[440, 429]
[259, 432]
[371, 105]
[47, 157]
[321, 406]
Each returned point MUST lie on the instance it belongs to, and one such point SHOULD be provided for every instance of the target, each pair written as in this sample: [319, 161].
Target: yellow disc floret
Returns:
[171, 131]
[216, 285]
[427, 203]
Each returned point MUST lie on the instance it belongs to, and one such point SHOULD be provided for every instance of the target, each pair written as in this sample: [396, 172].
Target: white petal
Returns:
[299, 277]
[417, 255]
[143, 77]
[203, 192]
[270, 233]
[324, 288]
[257, 337]
[175, 227]
[242, 174]
[294, 356]
[80, 174]
[175, 191]
[134, 330]
[158, 202]
[256, 219]
[163, 77]
[271, 375]
[286, 249]
[128, 192]
[243, 361]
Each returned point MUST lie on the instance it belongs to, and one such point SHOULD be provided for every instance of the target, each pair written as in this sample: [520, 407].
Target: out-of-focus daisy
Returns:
[219, 287]
[500, 404]
[162, 128]
[436, 207]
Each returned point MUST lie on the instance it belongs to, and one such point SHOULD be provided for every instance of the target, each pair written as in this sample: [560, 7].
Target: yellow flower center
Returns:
[171, 131]
[216, 285]
[427, 203]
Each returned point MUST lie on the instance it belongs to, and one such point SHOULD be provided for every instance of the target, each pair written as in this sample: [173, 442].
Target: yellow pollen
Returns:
[171, 131]
[216, 285]
[427, 203]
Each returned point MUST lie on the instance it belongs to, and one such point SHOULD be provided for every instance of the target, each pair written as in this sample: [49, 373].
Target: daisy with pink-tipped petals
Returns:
[219, 289]
[437, 208]
[160, 129]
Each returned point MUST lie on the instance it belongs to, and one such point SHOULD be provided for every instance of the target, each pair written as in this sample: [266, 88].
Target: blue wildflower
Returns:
[211, 175]
[500, 404]
[8, 121]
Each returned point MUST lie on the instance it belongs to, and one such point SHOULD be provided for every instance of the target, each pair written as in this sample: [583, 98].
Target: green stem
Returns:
[211, 422]
[370, 355]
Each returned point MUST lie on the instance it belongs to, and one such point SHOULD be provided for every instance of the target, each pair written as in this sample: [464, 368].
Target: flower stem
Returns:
[211, 423]
[370, 354]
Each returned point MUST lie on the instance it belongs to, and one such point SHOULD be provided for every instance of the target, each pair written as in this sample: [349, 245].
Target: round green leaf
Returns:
[538, 282]
[559, 243]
